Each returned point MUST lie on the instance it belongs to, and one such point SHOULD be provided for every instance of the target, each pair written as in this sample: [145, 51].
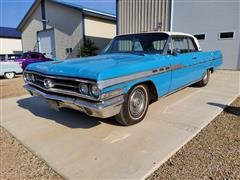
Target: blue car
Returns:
[133, 71]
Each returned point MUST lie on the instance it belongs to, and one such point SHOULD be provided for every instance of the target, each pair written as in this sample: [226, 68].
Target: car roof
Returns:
[165, 32]
[170, 33]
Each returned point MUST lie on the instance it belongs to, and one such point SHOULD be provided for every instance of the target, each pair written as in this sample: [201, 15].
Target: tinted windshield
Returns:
[141, 43]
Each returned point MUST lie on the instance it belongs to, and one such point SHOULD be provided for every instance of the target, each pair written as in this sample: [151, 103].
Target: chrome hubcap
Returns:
[9, 75]
[137, 103]
[205, 77]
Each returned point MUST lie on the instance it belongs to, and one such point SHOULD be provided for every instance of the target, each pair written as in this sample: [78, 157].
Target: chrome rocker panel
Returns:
[104, 109]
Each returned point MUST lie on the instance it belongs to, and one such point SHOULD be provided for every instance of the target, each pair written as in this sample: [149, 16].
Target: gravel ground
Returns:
[12, 87]
[213, 154]
[17, 162]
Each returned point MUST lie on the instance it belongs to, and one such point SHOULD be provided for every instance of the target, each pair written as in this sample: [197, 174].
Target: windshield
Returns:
[139, 43]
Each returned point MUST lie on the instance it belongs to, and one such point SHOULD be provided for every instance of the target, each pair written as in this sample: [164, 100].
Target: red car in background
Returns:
[31, 57]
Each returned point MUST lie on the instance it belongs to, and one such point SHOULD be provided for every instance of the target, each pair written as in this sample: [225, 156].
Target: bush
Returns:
[88, 48]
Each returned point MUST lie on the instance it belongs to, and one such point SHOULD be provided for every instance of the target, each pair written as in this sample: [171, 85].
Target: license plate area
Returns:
[53, 104]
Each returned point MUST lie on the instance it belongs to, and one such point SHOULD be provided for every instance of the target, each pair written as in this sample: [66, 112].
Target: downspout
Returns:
[44, 21]
[83, 27]
[117, 24]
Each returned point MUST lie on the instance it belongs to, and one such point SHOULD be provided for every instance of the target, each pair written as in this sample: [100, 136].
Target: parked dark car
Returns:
[31, 57]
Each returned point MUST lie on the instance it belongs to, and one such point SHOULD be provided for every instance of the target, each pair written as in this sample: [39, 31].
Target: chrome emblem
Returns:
[48, 83]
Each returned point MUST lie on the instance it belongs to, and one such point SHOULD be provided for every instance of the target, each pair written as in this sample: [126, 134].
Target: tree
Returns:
[88, 48]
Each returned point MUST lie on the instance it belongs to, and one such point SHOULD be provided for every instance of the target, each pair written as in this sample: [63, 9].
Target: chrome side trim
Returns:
[110, 82]
[114, 81]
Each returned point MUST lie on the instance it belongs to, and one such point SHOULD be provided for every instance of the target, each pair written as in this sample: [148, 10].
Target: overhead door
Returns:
[46, 43]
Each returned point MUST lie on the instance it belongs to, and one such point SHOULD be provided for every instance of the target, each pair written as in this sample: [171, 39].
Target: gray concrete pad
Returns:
[77, 146]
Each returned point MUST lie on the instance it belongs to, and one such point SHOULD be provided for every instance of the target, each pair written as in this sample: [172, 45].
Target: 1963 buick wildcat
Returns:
[133, 71]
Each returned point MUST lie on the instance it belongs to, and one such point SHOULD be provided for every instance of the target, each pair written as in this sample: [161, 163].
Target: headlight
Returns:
[32, 77]
[26, 77]
[94, 91]
[83, 88]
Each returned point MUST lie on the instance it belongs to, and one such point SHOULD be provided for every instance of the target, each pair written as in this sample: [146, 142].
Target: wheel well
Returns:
[152, 89]
[211, 69]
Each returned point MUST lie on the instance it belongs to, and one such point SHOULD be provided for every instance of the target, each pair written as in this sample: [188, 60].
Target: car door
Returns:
[181, 63]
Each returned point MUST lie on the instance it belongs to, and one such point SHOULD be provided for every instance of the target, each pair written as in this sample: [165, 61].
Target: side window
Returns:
[137, 46]
[180, 44]
[159, 45]
[226, 35]
[192, 46]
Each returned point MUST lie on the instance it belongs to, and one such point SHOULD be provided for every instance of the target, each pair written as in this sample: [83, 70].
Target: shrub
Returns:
[88, 48]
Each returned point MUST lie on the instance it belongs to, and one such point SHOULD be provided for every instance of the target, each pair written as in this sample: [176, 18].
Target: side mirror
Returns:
[176, 51]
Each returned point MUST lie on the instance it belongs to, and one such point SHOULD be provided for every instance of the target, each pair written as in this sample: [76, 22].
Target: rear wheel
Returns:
[135, 106]
[204, 80]
[9, 75]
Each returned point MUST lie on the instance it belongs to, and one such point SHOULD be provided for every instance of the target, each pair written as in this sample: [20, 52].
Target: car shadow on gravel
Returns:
[228, 109]
[67, 117]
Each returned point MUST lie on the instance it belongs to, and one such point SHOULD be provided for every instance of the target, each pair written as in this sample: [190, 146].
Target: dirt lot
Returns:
[12, 87]
[213, 154]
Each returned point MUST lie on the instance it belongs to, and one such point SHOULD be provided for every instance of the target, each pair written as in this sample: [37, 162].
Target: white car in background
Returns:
[9, 69]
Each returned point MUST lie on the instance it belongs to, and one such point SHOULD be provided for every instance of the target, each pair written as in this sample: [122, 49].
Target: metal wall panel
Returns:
[143, 15]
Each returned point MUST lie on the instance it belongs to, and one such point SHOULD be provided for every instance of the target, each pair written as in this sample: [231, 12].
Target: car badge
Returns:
[48, 83]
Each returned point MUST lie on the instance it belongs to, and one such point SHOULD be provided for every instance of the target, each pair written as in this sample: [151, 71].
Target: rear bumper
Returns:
[102, 109]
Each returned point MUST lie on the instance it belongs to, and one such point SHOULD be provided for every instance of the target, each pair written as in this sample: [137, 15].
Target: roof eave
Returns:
[19, 27]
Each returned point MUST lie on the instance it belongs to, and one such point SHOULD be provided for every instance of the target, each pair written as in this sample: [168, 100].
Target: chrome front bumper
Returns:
[102, 109]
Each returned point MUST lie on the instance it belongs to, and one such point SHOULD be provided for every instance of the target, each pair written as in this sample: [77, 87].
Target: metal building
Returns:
[215, 23]
[10, 41]
[142, 15]
[58, 28]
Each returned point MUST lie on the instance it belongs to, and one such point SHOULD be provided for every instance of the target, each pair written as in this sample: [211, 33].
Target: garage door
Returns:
[46, 43]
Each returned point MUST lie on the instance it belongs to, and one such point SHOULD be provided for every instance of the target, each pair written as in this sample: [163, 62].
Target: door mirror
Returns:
[176, 51]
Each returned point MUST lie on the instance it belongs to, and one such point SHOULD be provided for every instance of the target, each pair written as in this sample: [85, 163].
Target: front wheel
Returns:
[9, 75]
[135, 106]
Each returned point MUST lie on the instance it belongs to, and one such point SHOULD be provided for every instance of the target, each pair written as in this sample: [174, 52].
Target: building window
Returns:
[200, 36]
[226, 35]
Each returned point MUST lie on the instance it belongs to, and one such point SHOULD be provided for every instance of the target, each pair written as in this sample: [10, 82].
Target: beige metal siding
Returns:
[29, 31]
[10, 46]
[99, 27]
[100, 31]
[67, 24]
[143, 15]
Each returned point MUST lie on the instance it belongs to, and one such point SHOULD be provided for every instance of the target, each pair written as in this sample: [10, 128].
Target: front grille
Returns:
[61, 85]
[69, 85]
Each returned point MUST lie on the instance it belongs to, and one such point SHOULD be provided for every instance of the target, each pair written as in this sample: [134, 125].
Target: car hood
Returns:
[99, 67]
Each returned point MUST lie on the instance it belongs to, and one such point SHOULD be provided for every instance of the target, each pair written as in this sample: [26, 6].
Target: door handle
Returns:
[194, 58]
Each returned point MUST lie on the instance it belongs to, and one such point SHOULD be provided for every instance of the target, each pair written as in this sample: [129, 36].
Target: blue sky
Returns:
[12, 11]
